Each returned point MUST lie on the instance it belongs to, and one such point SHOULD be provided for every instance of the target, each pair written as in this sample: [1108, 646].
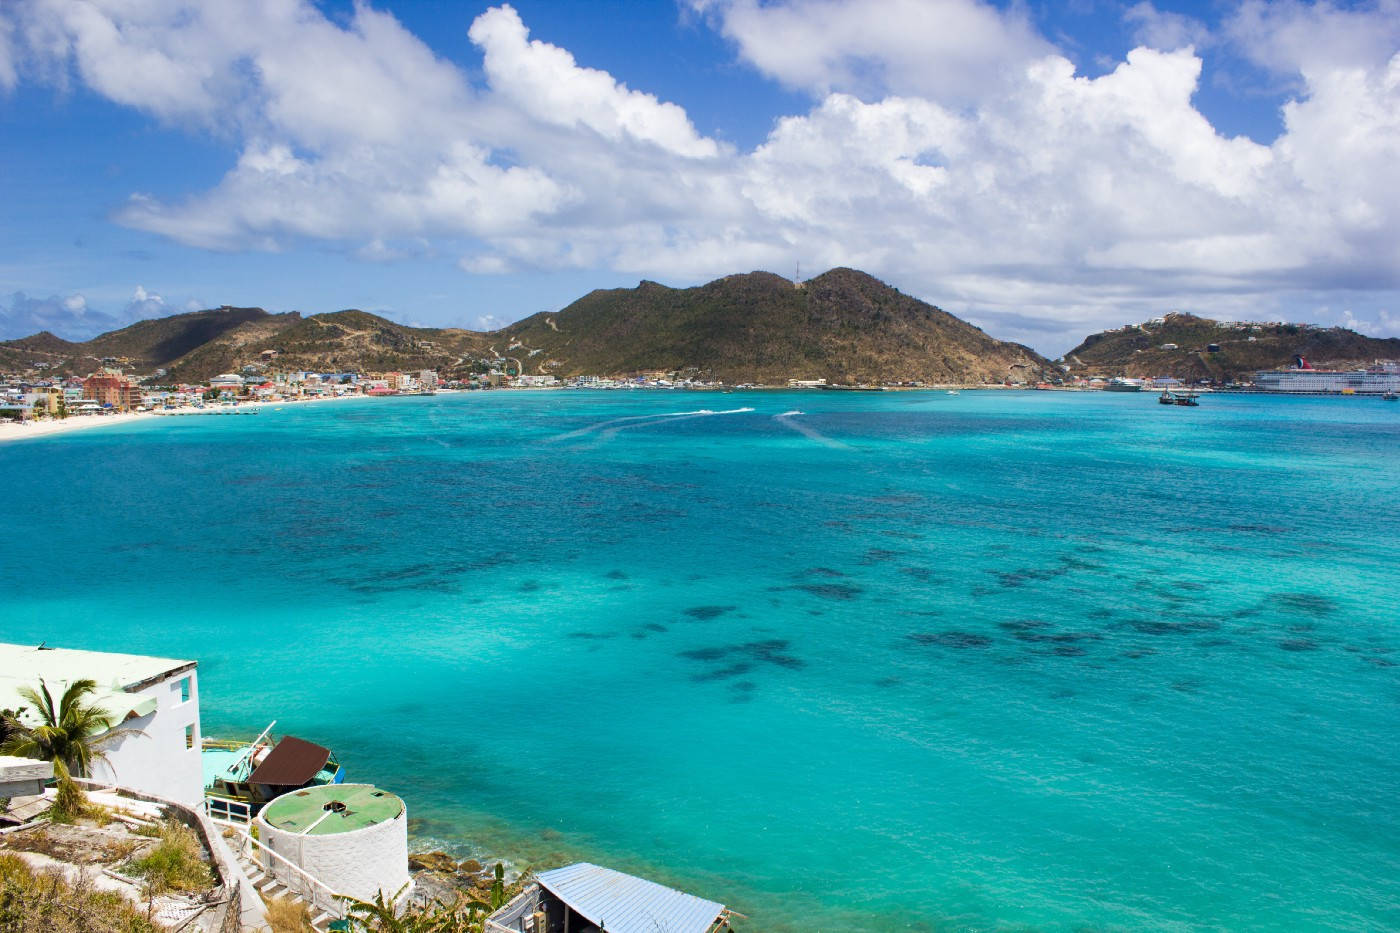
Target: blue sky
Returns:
[1044, 170]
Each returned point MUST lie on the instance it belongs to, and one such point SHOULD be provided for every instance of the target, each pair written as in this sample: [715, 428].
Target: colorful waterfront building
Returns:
[110, 389]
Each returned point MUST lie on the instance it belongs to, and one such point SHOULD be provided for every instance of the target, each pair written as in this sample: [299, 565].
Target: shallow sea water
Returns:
[900, 661]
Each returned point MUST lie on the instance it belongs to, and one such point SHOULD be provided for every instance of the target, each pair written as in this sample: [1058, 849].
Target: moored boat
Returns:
[239, 778]
[1185, 399]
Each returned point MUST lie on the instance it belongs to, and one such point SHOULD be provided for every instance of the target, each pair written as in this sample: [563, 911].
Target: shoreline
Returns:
[25, 430]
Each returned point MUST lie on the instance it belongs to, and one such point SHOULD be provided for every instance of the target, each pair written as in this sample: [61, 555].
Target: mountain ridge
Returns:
[1179, 345]
[844, 326]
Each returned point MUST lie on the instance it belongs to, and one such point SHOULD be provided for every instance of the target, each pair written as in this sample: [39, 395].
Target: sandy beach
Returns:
[22, 430]
[18, 431]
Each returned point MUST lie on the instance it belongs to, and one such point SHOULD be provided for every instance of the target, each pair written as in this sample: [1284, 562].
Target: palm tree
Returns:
[381, 916]
[378, 915]
[8, 716]
[70, 733]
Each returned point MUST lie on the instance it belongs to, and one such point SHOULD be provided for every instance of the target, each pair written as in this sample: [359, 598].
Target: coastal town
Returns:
[30, 397]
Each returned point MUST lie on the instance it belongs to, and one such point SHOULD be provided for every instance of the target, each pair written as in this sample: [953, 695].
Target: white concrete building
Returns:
[158, 697]
[226, 381]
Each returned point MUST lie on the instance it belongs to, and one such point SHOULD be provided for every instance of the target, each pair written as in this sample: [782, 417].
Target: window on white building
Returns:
[189, 736]
[184, 690]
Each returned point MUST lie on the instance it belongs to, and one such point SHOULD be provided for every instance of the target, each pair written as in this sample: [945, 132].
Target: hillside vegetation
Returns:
[843, 326]
[1243, 349]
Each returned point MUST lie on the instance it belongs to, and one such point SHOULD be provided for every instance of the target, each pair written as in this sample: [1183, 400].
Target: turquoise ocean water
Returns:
[902, 661]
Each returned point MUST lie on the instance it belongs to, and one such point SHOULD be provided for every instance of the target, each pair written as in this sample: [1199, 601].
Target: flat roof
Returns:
[117, 677]
[311, 811]
[24, 665]
[24, 769]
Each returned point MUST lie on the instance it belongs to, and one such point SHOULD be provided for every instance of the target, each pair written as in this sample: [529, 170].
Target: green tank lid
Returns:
[332, 808]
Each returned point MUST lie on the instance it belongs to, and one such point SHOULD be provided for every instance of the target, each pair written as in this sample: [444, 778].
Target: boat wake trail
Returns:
[607, 430]
[785, 419]
[584, 432]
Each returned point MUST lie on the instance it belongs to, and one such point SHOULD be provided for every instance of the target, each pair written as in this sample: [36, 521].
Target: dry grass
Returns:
[288, 916]
[42, 902]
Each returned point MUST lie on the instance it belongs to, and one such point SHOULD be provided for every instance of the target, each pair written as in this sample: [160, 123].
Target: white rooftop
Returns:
[622, 903]
[24, 769]
[25, 665]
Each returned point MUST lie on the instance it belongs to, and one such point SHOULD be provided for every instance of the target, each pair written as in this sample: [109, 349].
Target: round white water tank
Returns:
[353, 838]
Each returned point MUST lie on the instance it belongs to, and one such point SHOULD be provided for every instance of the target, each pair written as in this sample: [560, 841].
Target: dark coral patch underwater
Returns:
[769, 651]
[951, 639]
[831, 590]
[1311, 603]
[707, 613]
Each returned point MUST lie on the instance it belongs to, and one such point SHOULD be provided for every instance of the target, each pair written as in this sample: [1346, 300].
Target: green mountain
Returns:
[142, 347]
[843, 326]
[45, 342]
[1180, 345]
[358, 340]
[158, 342]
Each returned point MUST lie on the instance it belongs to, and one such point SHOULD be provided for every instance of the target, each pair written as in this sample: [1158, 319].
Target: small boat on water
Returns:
[1391, 397]
[239, 778]
[1185, 399]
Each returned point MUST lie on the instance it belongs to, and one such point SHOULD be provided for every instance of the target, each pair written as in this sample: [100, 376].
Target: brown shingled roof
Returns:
[292, 763]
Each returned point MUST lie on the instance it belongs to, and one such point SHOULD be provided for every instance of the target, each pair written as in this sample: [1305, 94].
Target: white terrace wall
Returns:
[164, 759]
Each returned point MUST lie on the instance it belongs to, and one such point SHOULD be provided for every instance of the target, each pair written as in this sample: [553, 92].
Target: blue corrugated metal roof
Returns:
[626, 904]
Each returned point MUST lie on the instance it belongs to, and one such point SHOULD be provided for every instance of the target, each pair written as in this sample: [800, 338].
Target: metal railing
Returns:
[291, 876]
[228, 811]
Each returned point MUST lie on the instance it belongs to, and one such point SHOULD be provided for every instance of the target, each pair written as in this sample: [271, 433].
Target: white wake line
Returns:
[785, 419]
[609, 429]
[581, 432]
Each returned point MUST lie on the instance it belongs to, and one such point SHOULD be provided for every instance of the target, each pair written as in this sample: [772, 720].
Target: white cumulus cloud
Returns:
[545, 82]
[948, 148]
[947, 50]
[1165, 30]
[9, 76]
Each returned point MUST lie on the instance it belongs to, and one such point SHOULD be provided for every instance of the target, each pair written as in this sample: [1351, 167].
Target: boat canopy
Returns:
[292, 763]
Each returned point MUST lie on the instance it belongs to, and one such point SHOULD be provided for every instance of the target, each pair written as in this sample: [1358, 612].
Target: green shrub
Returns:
[176, 863]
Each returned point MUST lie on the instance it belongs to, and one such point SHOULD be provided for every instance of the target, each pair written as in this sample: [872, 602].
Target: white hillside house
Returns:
[157, 696]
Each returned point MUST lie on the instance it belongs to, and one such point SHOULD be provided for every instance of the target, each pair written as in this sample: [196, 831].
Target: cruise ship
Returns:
[1303, 379]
